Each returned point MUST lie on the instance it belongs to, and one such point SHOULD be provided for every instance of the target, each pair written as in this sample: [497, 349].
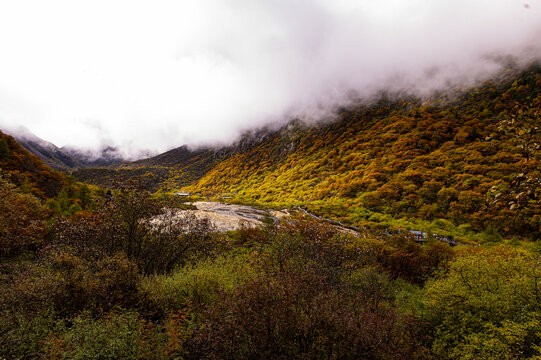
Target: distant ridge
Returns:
[48, 152]
[106, 156]
[67, 158]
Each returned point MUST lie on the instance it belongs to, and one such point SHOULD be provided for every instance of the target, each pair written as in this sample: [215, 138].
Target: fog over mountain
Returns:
[155, 75]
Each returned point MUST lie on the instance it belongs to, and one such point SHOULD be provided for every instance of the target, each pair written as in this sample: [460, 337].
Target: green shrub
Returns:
[116, 336]
[200, 282]
[298, 316]
[22, 334]
[22, 220]
[486, 304]
[69, 284]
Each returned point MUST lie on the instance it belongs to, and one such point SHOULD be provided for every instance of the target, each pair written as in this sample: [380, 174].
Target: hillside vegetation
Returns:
[110, 283]
[456, 165]
[172, 169]
[473, 161]
[27, 170]
[93, 275]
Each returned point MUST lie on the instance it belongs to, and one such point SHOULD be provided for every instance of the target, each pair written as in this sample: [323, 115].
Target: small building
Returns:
[419, 235]
[181, 194]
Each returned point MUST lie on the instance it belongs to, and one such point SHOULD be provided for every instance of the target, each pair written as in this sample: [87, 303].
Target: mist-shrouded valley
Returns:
[247, 180]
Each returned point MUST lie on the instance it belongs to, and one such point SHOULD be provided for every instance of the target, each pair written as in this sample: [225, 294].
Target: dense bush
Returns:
[299, 316]
[22, 220]
[322, 248]
[71, 199]
[487, 305]
[200, 283]
[157, 239]
[116, 336]
[68, 284]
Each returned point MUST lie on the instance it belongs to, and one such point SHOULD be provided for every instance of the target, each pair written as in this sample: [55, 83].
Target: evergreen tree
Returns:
[4, 149]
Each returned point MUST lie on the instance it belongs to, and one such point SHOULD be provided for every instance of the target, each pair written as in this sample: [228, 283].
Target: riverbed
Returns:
[227, 217]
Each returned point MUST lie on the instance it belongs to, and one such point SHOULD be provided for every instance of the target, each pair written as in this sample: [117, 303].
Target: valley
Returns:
[403, 229]
[455, 165]
[270, 180]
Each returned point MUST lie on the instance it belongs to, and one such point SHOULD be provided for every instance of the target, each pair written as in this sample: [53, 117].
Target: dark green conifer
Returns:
[4, 150]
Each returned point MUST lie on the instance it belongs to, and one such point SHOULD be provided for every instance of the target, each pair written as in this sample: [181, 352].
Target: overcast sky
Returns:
[159, 74]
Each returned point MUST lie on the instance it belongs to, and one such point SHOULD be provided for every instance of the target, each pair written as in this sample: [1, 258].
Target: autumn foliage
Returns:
[121, 274]
[473, 159]
[27, 171]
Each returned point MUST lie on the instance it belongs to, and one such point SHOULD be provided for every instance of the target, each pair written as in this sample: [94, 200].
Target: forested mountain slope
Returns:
[472, 160]
[49, 153]
[170, 170]
[27, 171]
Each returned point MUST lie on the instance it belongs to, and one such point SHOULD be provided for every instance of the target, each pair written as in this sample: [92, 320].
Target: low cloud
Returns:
[155, 75]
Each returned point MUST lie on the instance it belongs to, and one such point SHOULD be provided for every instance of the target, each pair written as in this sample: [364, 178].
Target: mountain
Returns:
[49, 153]
[458, 163]
[106, 156]
[171, 170]
[27, 171]
[66, 158]
[178, 167]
